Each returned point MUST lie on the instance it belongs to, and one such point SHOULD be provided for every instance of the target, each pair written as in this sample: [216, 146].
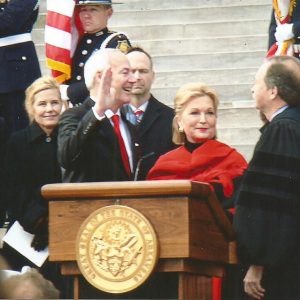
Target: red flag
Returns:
[62, 32]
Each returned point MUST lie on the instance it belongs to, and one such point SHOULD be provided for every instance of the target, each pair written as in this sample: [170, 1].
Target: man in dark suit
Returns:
[94, 16]
[152, 119]
[90, 146]
[19, 65]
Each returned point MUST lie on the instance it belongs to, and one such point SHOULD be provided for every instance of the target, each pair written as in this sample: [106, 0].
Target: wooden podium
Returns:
[195, 237]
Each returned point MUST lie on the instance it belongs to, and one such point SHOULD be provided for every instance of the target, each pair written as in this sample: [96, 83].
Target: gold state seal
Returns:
[116, 249]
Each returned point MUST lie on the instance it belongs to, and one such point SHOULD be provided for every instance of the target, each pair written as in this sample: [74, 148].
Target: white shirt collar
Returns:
[278, 111]
[109, 113]
[143, 107]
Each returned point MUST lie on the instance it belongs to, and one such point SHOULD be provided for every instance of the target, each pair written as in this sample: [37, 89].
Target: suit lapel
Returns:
[151, 114]
[135, 148]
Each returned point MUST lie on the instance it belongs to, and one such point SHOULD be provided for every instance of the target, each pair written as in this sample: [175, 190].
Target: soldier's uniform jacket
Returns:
[19, 65]
[77, 91]
[295, 19]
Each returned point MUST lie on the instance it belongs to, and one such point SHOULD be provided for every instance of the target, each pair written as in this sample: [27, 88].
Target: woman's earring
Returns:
[180, 129]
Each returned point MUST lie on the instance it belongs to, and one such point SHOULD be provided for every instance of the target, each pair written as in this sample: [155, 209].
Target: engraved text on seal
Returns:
[116, 249]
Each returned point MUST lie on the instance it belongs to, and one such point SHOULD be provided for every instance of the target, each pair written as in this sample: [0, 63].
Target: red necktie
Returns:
[139, 114]
[116, 121]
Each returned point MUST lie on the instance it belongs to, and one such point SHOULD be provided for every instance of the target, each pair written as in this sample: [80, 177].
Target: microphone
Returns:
[137, 170]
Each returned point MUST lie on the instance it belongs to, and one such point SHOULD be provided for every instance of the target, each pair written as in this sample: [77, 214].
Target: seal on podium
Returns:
[116, 249]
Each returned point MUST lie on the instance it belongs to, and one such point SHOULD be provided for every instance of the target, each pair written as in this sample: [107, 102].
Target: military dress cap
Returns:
[96, 2]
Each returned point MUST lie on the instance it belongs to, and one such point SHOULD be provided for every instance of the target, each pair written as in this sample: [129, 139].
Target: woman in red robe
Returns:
[200, 157]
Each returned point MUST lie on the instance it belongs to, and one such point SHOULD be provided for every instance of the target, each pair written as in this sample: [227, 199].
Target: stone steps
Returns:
[239, 136]
[233, 117]
[229, 93]
[194, 30]
[219, 42]
[167, 4]
[179, 16]
[209, 76]
[188, 45]
[193, 62]
[205, 44]
[244, 136]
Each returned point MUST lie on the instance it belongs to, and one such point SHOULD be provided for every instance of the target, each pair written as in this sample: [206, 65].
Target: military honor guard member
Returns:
[19, 65]
[94, 16]
[284, 29]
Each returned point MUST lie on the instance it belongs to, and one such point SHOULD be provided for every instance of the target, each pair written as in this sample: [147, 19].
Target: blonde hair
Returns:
[39, 85]
[185, 94]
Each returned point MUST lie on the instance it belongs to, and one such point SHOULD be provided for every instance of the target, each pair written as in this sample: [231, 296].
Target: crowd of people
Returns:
[104, 124]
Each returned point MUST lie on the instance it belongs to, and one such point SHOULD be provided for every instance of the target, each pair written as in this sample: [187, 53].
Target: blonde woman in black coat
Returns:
[31, 162]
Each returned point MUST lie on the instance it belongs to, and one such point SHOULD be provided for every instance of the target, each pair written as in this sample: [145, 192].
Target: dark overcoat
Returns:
[267, 214]
[30, 162]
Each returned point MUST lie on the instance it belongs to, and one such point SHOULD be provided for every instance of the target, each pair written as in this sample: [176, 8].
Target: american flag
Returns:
[62, 32]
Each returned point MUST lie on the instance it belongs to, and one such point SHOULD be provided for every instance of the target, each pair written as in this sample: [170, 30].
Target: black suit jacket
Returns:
[19, 65]
[88, 148]
[154, 134]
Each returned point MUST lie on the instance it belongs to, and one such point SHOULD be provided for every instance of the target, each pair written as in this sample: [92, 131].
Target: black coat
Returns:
[19, 65]
[77, 90]
[88, 148]
[31, 162]
[267, 214]
[154, 134]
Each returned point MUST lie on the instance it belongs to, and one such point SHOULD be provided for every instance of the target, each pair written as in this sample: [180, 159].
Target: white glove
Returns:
[297, 48]
[284, 32]
[63, 91]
